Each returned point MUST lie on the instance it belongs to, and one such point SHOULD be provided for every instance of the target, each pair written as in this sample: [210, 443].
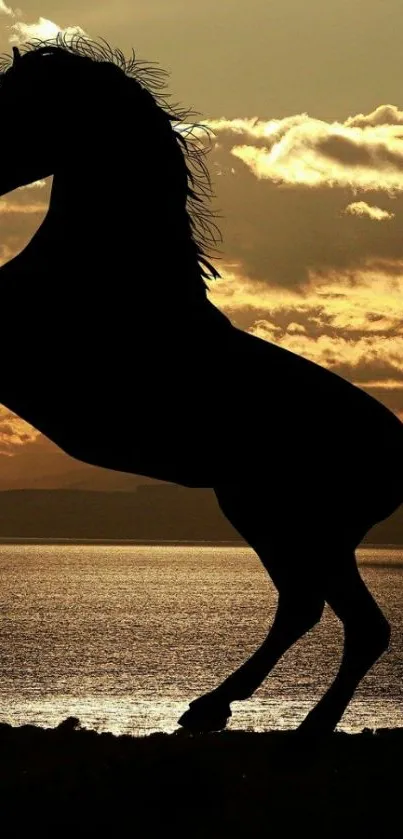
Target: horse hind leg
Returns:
[307, 571]
[366, 637]
[300, 607]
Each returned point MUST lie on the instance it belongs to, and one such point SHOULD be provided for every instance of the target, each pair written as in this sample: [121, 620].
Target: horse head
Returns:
[46, 94]
[83, 113]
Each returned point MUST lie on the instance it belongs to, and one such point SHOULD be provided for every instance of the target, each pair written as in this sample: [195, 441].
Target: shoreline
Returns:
[230, 543]
[43, 540]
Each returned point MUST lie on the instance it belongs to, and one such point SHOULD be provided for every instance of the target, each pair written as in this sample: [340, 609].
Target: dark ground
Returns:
[71, 781]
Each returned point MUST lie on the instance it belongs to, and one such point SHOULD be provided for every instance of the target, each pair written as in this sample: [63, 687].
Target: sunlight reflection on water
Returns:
[124, 636]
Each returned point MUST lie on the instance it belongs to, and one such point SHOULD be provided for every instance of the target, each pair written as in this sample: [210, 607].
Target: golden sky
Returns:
[306, 103]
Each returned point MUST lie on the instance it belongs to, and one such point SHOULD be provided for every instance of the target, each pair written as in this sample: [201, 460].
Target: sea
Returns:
[124, 636]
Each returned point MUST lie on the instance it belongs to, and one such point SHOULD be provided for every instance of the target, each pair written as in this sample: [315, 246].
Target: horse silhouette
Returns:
[114, 351]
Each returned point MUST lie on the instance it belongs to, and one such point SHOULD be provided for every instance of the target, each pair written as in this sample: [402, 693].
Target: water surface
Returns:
[123, 636]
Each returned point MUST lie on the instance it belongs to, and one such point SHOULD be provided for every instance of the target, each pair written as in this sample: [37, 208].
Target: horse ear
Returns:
[17, 55]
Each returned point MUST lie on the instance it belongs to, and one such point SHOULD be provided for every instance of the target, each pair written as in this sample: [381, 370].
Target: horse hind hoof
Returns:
[315, 727]
[205, 719]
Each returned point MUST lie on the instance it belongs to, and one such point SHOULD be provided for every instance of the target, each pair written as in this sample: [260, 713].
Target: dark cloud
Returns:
[350, 152]
[281, 234]
[284, 185]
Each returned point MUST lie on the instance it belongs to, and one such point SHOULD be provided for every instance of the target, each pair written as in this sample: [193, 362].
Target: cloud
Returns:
[283, 232]
[21, 213]
[273, 129]
[362, 153]
[383, 115]
[351, 325]
[361, 208]
[35, 184]
[6, 10]
[14, 432]
[370, 303]
[43, 29]
[18, 207]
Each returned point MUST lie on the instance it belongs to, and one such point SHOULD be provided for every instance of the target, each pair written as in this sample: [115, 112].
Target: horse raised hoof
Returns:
[206, 714]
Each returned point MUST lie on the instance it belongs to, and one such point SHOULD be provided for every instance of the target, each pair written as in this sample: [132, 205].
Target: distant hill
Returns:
[154, 512]
[76, 475]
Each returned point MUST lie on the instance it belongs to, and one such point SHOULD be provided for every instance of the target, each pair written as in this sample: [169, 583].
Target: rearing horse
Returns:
[124, 362]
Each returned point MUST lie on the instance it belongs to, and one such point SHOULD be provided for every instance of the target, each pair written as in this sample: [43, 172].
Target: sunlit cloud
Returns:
[34, 185]
[42, 29]
[255, 127]
[383, 115]
[363, 153]
[14, 432]
[15, 207]
[280, 232]
[353, 326]
[361, 208]
[362, 301]
[6, 10]
[386, 384]
[361, 358]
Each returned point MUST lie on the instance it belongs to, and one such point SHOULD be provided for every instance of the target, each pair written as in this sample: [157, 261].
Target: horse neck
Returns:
[113, 224]
[96, 276]
[97, 268]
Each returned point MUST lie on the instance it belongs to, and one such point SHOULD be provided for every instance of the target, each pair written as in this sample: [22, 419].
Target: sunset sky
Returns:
[306, 103]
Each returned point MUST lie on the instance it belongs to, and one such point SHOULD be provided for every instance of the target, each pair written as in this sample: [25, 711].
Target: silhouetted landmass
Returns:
[23, 472]
[217, 785]
[160, 512]
[156, 512]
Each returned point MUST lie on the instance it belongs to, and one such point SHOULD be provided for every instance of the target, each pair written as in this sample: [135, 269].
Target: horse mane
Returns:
[193, 139]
